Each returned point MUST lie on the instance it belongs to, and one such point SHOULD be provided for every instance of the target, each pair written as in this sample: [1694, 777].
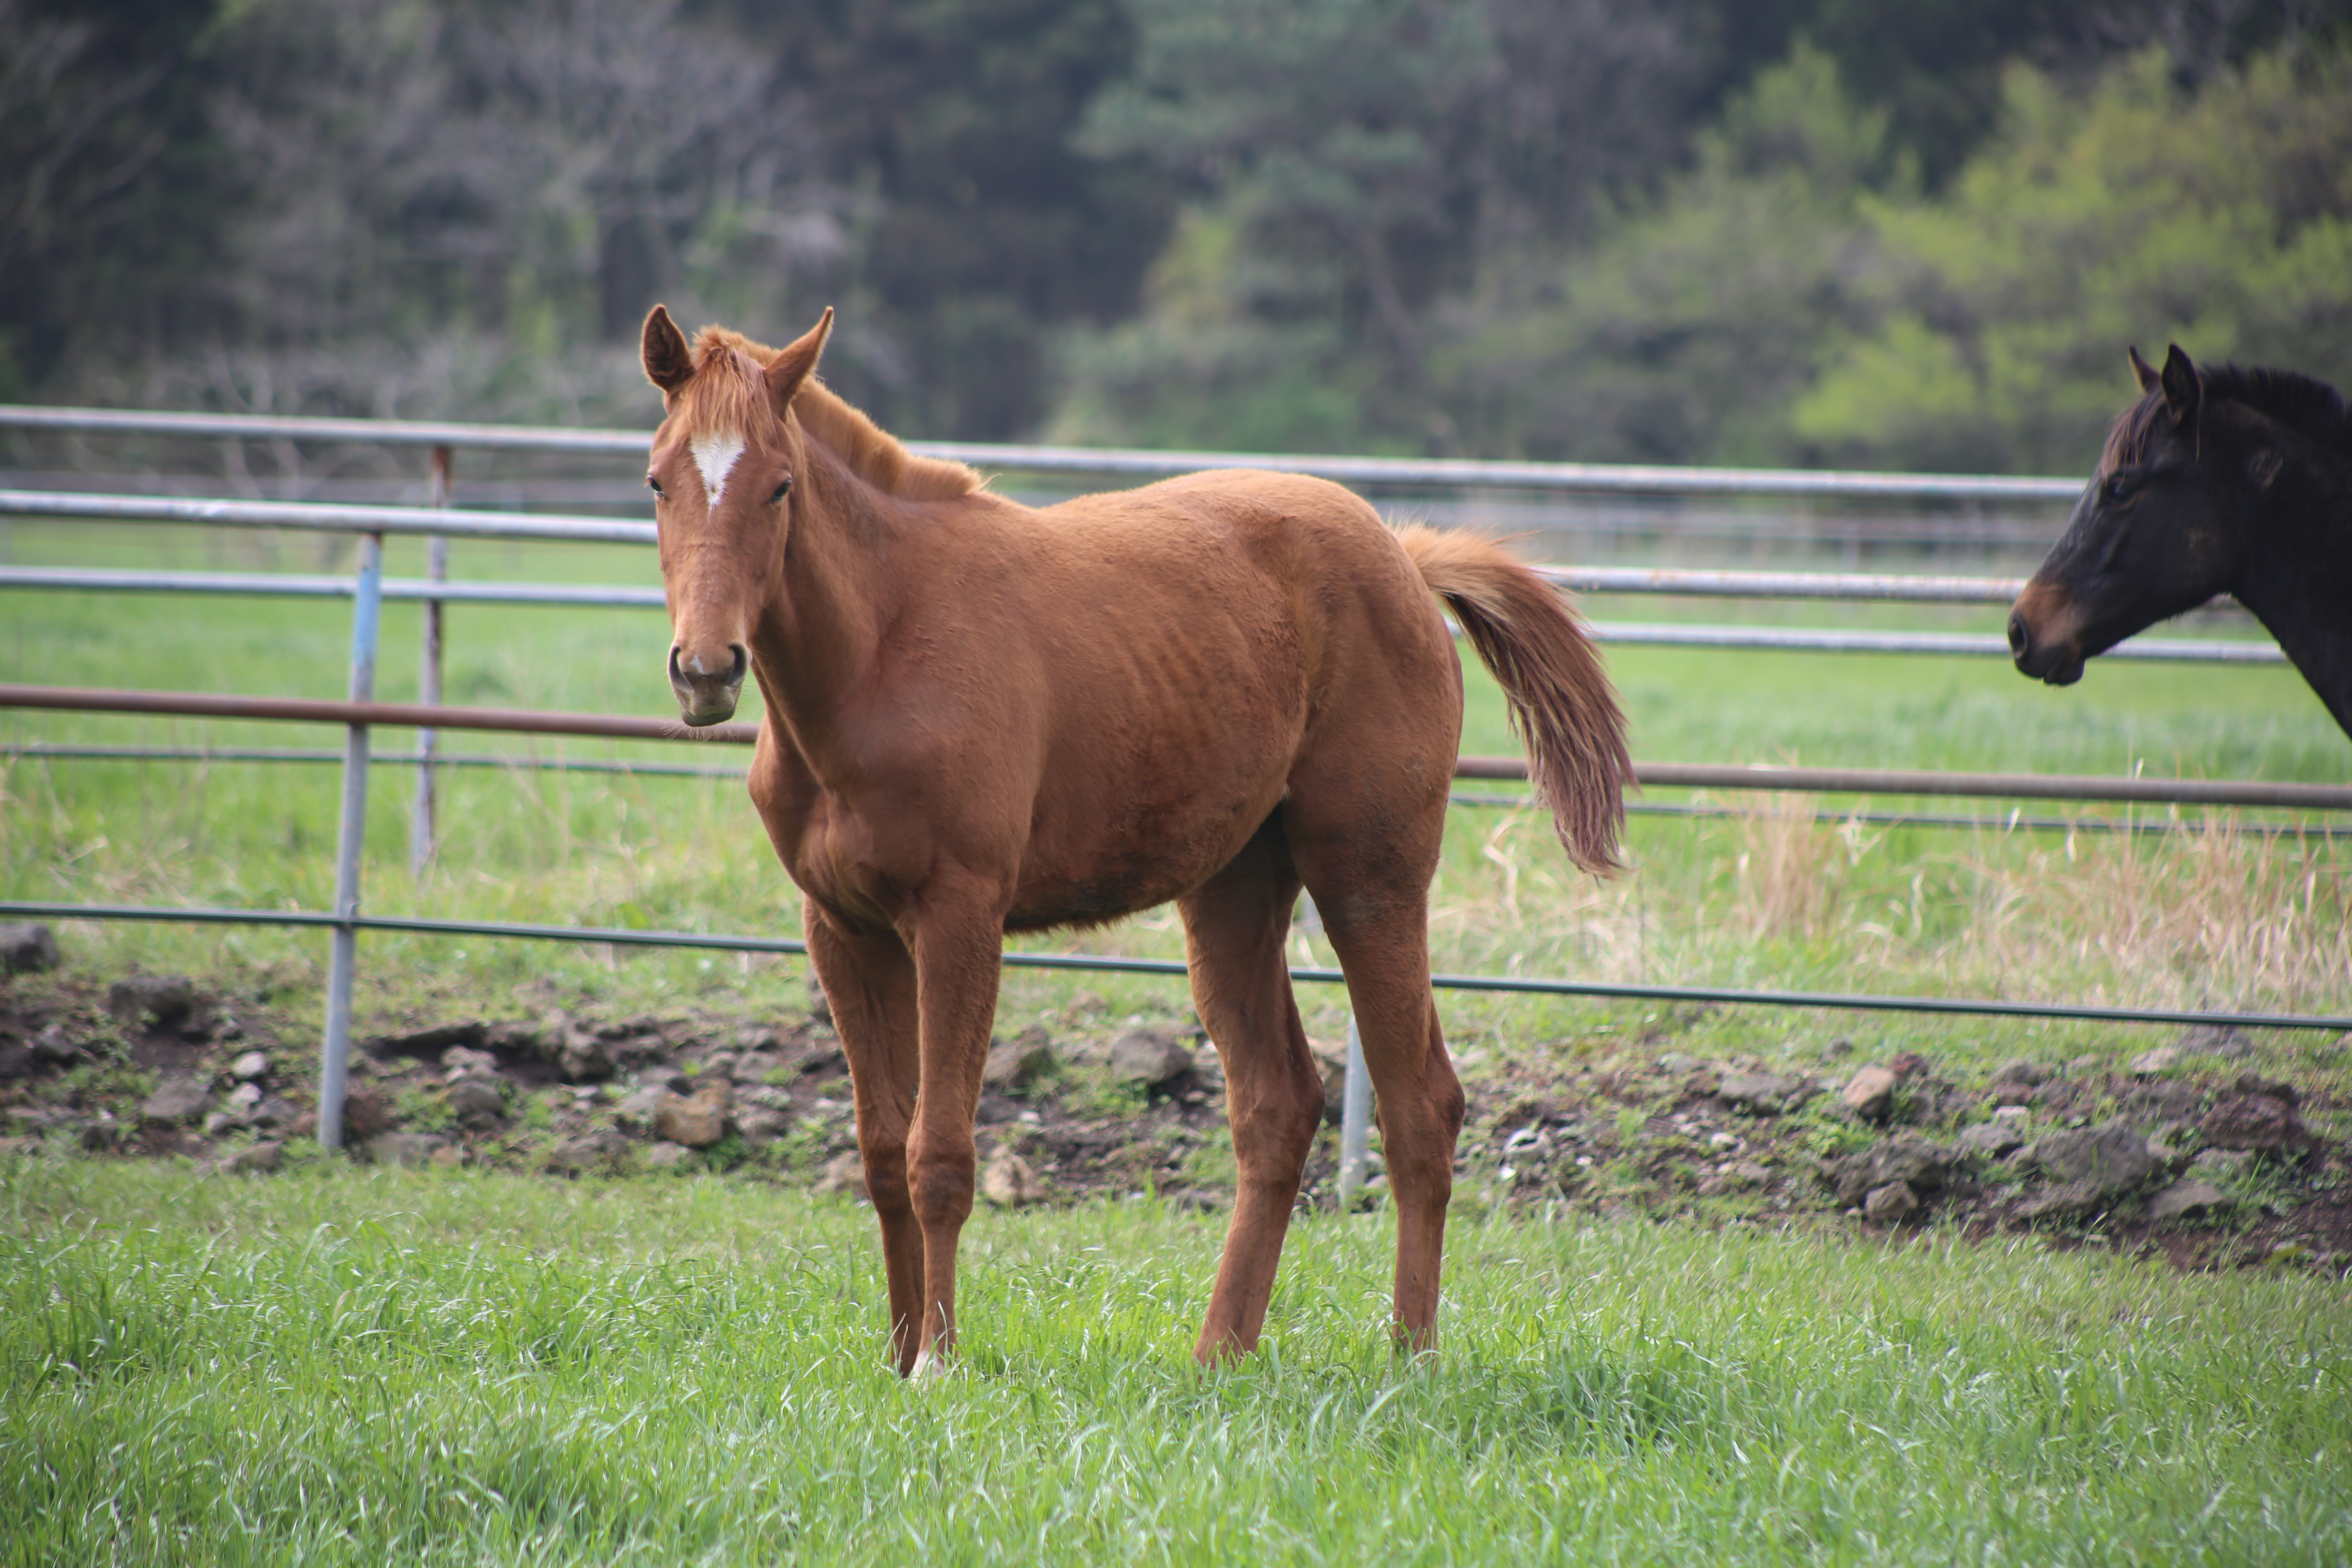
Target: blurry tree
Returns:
[103, 176]
[976, 229]
[2137, 214]
[1688, 326]
[1348, 163]
[532, 174]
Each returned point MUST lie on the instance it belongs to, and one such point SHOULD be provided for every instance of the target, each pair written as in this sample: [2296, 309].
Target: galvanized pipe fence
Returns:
[438, 523]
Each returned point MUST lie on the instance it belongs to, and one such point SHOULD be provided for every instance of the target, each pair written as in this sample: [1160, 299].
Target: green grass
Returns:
[334, 1367]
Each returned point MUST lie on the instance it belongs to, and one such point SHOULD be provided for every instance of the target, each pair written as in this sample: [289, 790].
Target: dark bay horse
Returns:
[2222, 481]
[982, 718]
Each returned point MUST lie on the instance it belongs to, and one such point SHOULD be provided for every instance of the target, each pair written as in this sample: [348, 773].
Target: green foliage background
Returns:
[1781, 231]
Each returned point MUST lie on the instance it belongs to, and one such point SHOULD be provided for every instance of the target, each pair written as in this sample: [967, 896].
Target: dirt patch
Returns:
[2085, 1158]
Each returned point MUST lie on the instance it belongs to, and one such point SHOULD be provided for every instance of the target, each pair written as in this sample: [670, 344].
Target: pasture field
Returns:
[1790, 893]
[340, 1367]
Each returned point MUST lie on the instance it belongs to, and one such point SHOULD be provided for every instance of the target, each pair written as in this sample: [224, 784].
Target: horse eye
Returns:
[654, 485]
[781, 490]
[2119, 488]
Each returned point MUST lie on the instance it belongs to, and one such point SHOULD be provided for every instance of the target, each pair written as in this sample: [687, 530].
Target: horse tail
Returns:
[1562, 703]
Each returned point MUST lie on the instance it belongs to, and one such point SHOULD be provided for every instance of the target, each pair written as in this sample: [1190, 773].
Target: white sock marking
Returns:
[716, 456]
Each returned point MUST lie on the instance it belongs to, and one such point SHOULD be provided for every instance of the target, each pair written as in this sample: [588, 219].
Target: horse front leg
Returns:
[957, 946]
[870, 982]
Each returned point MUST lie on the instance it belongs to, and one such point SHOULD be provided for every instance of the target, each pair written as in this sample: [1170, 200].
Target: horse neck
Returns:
[2298, 576]
[844, 582]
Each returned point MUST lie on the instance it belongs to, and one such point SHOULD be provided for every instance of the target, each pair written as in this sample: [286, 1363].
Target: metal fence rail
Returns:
[623, 936]
[1680, 775]
[1418, 473]
[2016, 821]
[1796, 639]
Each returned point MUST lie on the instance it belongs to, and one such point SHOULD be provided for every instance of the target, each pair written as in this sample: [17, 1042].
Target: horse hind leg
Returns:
[1420, 1102]
[1235, 929]
[1372, 892]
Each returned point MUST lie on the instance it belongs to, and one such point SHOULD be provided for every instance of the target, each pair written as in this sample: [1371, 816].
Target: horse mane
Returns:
[727, 395]
[2308, 407]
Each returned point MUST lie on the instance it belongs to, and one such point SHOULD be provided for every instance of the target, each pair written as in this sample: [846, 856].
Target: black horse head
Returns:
[2159, 530]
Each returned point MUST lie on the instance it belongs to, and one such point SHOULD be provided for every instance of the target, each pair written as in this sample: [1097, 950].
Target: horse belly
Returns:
[1107, 841]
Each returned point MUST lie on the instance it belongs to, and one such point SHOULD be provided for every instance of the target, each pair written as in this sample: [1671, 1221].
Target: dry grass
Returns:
[2219, 914]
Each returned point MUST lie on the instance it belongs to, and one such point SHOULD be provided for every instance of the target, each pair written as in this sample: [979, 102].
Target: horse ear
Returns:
[2181, 391]
[2144, 372]
[796, 362]
[667, 363]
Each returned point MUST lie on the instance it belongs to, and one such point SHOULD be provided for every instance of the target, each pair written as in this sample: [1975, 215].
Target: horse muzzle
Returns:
[703, 697]
[2058, 662]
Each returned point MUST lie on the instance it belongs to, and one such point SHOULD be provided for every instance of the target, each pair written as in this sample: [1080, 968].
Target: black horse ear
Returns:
[2181, 391]
[2144, 372]
[667, 363]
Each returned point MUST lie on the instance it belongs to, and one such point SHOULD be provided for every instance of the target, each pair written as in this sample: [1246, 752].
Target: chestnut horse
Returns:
[2224, 481]
[982, 718]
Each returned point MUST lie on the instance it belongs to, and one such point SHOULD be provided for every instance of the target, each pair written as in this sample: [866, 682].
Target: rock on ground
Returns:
[476, 1105]
[753, 1067]
[846, 1175]
[1870, 1093]
[1763, 1093]
[641, 1105]
[27, 949]
[599, 1149]
[1008, 1182]
[366, 1112]
[1149, 1057]
[258, 1157]
[177, 1100]
[2183, 1200]
[585, 1060]
[668, 1156]
[1019, 1062]
[696, 1124]
[2090, 1166]
[2258, 1116]
[464, 1061]
[1908, 1158]
[1991, 1138]
[761, 1125]
[1891, 1204]
[250, 1065]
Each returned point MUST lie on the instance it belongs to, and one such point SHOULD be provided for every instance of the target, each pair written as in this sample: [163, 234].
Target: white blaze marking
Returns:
[716, 456]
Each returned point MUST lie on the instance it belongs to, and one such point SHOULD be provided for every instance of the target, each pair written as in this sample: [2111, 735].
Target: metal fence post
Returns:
[350, 834]
[1355, 1119]
[428, 678]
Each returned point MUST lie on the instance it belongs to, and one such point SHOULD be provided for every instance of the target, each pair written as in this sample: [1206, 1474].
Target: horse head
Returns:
[721, 472]
[2157, 532]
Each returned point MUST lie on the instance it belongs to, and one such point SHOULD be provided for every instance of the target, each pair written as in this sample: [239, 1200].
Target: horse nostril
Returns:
[677, 675]
[742, 663]
[2018, 639]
